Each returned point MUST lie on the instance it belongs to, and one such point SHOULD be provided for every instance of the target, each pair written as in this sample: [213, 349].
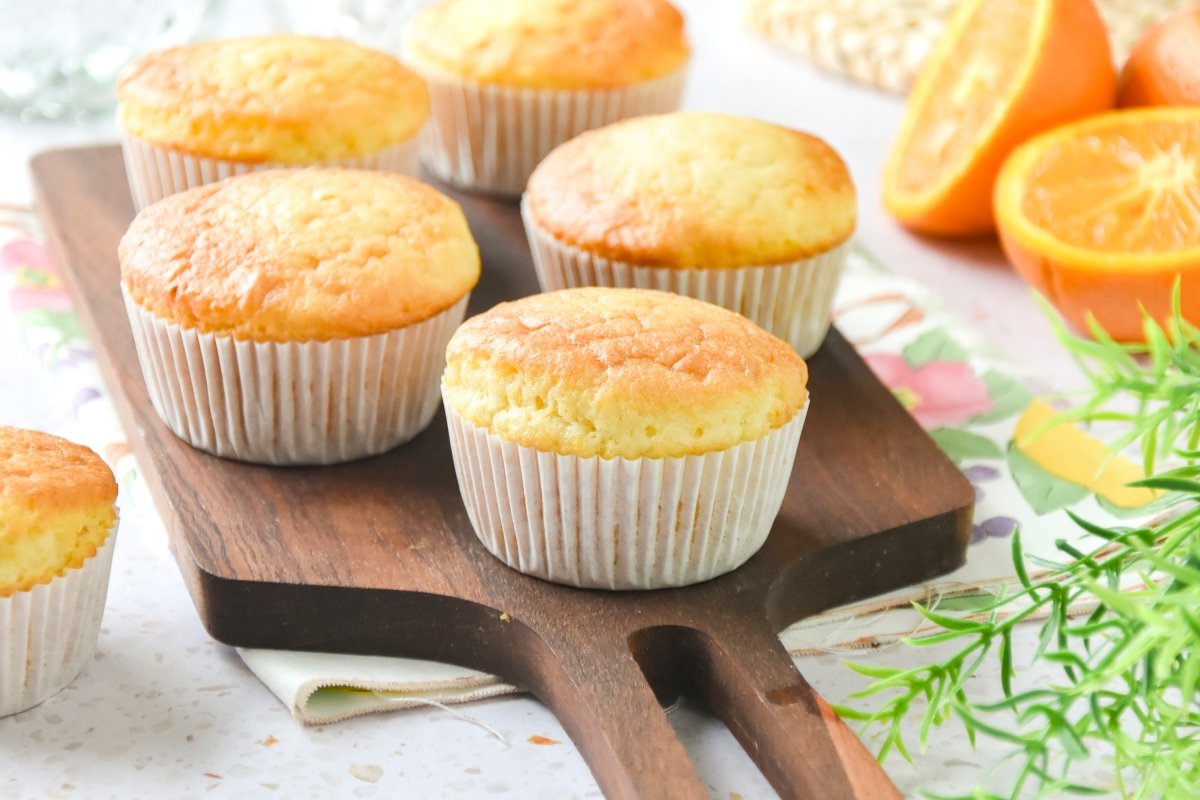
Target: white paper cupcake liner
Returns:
[293, 402]
[489, 138]
[793, 300]
[48, 633]
[156, 171]
[619, 523]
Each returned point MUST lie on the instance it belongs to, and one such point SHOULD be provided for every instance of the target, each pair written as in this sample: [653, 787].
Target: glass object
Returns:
[373, 23]
[59, 58]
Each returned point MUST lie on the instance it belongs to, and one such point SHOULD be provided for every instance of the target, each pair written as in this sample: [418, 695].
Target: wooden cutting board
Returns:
[378, 556]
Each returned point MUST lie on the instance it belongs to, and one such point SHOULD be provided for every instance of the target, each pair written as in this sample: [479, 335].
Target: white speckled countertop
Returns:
[164, 711]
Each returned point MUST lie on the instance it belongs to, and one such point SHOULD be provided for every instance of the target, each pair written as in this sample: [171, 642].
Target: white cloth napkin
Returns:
[327, 687]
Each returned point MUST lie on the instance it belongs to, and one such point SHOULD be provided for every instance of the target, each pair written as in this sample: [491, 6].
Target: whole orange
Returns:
[1164, 67]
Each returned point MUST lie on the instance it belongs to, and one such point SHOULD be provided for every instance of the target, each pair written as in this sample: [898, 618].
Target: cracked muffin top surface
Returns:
[549, 44]
[56, 507]
[283, 99]
[694, 190]
[300, 255]
[621, 373]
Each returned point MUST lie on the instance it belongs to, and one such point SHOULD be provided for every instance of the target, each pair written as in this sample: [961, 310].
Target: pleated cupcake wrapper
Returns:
[156, 171]
[793, 300]
[489, 138]
[48, 633]
[293, 402]
[621, 523]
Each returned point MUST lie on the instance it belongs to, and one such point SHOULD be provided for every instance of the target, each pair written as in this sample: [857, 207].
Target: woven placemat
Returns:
[884, 42]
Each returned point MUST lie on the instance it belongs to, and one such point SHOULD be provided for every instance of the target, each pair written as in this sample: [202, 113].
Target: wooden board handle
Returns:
[600, 695]
[803, 748]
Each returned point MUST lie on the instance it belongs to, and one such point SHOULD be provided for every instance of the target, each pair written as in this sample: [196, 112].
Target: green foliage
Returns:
[1008, 395]
[1044, 492]
[961, 445]
[1130, 669]
[934, 345]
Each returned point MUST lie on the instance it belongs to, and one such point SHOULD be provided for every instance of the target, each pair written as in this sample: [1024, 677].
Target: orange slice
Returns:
[1103, 216]
[1002, 72]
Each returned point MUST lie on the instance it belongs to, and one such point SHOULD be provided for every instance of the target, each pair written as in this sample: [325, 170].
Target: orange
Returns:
[1102, 216]
[1164, 67]
[1002, 72]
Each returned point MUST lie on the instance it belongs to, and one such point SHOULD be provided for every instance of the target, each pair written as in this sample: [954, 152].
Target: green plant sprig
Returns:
[1131, 667]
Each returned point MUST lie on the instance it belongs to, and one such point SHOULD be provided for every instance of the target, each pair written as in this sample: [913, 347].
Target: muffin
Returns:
[509, 81]
[195, 114]
[297, 316]
[621, 438]
[742, 213]
[58, 528]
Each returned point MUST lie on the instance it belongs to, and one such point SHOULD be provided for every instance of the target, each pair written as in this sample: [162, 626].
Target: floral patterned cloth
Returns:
[45, 322]
[973, 404]
[985, 415]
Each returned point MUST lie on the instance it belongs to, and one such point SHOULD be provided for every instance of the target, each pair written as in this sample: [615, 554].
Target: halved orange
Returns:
[1002, 72]
[1102, 216]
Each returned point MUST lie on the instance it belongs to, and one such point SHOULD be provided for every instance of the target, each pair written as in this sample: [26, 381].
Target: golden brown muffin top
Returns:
[300, 255]
[549, 44]
[693, 190]
[56, 507]
[621, 372]
[51, 473]
[283, 99]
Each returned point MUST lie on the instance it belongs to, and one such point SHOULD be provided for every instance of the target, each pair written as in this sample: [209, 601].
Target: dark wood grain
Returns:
[377, 556]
